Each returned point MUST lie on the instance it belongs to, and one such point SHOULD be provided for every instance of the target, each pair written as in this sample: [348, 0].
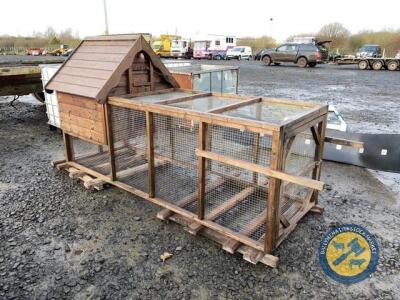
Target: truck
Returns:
[162, 47]
[213, 46]
[181, 49]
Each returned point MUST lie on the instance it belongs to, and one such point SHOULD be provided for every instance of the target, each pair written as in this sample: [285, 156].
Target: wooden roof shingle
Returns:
[97, 64]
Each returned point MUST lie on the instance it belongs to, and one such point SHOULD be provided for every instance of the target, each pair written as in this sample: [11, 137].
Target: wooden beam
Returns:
[201, 170]
[110, 138]
[139, 169]
[319, 151]
[194, 228]
[182, 99]
[150, 152]
[315, 135]
[249, 229]
[68, 147]
[234, 105]
[165, 213]
[344, 142]
[130, 80]
[314, 184]
[274, 194]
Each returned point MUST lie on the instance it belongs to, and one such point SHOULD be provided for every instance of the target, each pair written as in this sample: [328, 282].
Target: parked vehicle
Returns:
[162, 47]
[302, 54]
[243, 52]
[181, 49]
[373, 63]
[59, 51]
[35, 51]
[213, 47]
[369, 51]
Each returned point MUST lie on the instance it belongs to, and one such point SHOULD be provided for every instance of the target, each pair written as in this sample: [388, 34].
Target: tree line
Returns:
[50, 38]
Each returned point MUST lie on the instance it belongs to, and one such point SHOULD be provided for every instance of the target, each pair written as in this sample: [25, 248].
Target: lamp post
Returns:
[105, 17]
[271, 19]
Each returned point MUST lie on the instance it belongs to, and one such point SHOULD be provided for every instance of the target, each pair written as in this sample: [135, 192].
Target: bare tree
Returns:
[335, 32]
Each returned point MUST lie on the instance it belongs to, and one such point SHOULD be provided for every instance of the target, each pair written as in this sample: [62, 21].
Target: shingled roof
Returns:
[96, 65]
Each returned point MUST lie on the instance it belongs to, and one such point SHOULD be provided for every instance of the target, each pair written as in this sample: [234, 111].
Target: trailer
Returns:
[22, 76]
[371, 63]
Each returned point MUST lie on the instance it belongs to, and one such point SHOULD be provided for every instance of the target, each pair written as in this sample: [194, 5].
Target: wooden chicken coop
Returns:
[241, 170]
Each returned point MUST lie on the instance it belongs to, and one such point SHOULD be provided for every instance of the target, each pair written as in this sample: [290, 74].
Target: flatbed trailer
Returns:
[22, 76]
[371, 63]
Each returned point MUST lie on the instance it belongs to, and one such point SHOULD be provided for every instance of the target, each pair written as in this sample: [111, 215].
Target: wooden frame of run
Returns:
[277, 226]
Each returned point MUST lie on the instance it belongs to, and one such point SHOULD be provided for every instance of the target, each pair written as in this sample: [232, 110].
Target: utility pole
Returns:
[270, 26]
[105, 16]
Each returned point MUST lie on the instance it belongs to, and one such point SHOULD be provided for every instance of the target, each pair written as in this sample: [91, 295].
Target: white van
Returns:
[242, 52]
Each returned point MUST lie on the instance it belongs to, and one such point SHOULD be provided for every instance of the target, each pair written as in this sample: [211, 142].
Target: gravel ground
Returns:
[58, 240]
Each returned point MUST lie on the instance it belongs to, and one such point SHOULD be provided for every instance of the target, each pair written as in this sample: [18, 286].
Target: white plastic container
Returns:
[53, 113]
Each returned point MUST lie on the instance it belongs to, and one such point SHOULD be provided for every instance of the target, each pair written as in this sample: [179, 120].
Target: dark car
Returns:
[301, 54]
[369, 51]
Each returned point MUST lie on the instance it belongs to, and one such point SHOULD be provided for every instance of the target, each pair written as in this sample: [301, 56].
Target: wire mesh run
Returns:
[130, 146]
[175, 141]
[93, 156]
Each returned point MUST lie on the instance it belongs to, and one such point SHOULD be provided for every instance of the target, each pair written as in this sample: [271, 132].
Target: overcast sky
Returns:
[190, 18]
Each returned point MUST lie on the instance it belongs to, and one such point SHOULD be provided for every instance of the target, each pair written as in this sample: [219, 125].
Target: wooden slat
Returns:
[78, 101]
[69, 152]
[110, 140]
[165, 213]
[247, 230]
[314, 184]
[234, 105]
[139, 169]
[344, 142]
[92, 73]
[84, 133]
[73, 110]
[201, 170]
[194, 228]
[183, 98]
[96, 126]
[86, 91]
[104, 49]
[108, 43]
[150, 153]
[79, 80]
[86, 64]
[98, 56]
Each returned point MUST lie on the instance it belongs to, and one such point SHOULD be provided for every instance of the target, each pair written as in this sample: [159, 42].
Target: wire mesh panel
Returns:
[129, 137]
[239, 144]
[300, 161]
[92, 156]
[175, 142]
[239, 202]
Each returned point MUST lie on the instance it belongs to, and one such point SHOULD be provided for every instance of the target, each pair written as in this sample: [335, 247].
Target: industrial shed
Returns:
[241, 170]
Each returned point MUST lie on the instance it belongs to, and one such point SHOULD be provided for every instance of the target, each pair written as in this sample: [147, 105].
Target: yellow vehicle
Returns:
[162, 47]
[60, 51]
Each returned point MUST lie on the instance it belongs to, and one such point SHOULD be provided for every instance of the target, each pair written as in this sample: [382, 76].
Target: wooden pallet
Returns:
[89, 182]
[232, 246]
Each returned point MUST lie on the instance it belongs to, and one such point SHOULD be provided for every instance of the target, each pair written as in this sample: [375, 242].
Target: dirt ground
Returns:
[59, 240]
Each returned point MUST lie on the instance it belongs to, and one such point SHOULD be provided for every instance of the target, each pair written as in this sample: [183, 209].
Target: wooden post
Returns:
[319, 150]
[69, 151]
[150, 152]
[274, 192]
[113, 172]
[202, 171]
